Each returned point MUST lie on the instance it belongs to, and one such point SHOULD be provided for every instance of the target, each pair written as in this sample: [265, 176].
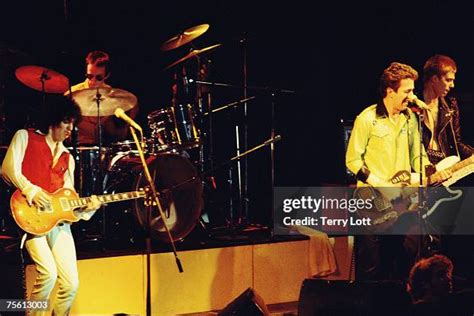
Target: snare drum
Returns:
[174, 128]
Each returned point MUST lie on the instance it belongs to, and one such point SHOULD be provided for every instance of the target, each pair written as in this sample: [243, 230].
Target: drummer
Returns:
[113, 129]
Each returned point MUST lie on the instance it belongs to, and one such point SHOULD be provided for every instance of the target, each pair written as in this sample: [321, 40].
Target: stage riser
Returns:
[212, 278]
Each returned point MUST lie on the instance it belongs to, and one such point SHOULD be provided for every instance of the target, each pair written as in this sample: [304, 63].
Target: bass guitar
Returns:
[391, 202]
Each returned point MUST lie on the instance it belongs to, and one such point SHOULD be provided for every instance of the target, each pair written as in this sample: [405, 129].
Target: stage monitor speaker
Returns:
[249, 303]
[320, 297]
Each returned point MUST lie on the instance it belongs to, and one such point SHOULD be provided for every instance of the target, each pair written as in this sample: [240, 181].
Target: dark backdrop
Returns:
[331, 53]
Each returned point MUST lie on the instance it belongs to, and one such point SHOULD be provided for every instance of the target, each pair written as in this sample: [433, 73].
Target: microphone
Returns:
[121, 114]
[417, 103]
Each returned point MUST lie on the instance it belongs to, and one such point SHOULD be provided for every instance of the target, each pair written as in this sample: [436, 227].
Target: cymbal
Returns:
[193, 54]
[185, 37]
[32, 76]
[110, 100]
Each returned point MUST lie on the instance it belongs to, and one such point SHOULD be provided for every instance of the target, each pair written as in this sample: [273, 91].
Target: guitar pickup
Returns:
[64, 204]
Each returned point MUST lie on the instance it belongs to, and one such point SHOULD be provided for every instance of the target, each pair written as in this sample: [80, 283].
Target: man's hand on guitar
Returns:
[41, 199]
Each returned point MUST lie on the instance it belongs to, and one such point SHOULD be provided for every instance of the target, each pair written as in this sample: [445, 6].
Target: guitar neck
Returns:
[456, 167]
[462, 164]
[107, 198]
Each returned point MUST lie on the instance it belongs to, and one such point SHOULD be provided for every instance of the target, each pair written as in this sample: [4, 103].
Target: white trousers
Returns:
[55, 258]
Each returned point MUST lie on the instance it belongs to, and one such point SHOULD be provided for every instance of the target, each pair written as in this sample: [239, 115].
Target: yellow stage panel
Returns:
[279, 270]
[212, 278]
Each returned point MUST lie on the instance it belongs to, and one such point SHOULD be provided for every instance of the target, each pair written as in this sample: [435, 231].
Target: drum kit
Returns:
[116, 167]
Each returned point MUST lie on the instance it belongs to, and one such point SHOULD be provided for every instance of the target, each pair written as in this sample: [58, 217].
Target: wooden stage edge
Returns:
[212, 277]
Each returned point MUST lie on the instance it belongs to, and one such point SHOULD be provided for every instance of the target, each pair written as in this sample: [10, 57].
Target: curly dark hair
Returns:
[393, 74]
[57, 109]
[422, 272]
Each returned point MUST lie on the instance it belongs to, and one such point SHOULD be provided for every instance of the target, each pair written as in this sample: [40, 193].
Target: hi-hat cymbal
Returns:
[34, 76]
[193, 54]
[110, 100]
[185, 37]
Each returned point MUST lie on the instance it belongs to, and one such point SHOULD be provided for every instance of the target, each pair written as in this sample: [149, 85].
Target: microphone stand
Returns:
[148, 228]
[421, 200]
[421, 194]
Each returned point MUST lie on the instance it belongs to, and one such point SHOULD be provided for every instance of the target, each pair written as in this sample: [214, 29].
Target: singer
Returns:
[384, 140]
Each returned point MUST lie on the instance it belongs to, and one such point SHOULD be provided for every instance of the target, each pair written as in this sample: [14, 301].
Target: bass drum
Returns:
[180, 194]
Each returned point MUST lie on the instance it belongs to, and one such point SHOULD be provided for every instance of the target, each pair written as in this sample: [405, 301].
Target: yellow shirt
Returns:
[383, 146]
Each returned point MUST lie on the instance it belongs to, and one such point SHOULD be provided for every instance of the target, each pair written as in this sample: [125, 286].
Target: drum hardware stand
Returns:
[272, 163]
[97, 172]
[235, 228]
[244, 101]
[148, 224]
[233, 104]
[244, 194]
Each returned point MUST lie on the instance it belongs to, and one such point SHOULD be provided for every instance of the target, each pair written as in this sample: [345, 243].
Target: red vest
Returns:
[38, 167]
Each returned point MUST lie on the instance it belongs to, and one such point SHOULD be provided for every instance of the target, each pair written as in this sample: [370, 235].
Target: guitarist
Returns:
[442, 138]
[384, 140]
[36, 163]
[442, 131]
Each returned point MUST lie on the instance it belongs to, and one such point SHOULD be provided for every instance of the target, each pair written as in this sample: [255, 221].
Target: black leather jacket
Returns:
[448, 130]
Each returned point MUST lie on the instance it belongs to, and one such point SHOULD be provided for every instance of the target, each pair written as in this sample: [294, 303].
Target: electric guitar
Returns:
[391, 202]
[65, 206]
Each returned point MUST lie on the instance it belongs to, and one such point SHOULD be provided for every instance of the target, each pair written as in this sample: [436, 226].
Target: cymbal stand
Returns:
[273, 93]
[98, 172]
[97, 99]
[272, 161]
[244, 192]
[44, 76]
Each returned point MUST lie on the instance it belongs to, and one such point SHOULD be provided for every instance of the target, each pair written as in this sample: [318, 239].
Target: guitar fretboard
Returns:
[456, 167]
[107, 198]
